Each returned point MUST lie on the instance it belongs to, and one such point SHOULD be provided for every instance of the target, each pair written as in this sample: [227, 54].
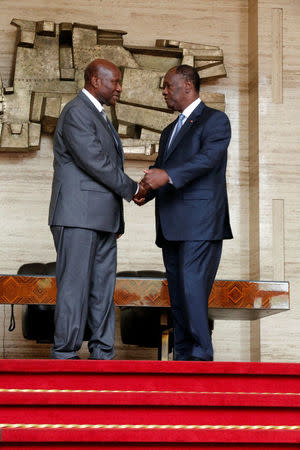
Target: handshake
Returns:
[153, 179]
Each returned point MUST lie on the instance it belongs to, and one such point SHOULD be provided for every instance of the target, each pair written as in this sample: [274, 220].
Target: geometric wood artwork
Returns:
[229, 299]
[49, 65]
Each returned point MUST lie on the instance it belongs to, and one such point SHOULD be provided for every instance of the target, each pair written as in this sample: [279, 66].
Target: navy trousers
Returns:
[191, 268]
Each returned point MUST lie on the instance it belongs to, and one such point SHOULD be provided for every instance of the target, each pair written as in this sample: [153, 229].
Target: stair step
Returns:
[150, 375]
[148, 404]
[196, 434]
[161, 414]
[61, 397]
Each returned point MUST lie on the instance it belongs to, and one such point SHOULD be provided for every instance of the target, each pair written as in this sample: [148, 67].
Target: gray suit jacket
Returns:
[89, 182]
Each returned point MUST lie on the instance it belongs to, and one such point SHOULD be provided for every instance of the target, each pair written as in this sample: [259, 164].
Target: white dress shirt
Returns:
[189, 109]
[93, 100]
[186, 113]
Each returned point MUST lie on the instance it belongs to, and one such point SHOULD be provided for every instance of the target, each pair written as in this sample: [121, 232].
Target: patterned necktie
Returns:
[111, 128]
[114, 134]
[104, 114]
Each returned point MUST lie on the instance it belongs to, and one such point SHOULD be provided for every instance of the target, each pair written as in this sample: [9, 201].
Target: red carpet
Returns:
[148, 404]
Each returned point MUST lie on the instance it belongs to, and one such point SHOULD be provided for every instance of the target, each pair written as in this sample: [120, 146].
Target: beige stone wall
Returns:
[279, 168]
[25, 179]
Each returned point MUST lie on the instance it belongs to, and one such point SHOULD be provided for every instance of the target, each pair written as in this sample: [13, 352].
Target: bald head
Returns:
[102, 79]
[96, 68]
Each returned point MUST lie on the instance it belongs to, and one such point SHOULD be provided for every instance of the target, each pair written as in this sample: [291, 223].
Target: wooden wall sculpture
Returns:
[49, 65]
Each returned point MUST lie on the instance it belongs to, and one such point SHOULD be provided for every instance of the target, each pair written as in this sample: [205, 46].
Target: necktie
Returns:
[114, 134]
[178, 125]
[104, 114]
[111, 128]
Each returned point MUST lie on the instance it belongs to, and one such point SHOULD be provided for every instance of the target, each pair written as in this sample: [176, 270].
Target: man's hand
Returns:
[139, 198]
[155, 178]
[139, 201]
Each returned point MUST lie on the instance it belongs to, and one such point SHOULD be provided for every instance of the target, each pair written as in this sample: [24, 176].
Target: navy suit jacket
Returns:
[195, 206]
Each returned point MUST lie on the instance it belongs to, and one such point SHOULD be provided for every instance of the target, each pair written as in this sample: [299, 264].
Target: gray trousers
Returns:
[85, 278]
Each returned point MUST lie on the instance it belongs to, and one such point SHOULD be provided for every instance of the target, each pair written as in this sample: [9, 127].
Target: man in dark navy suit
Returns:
[192, 219]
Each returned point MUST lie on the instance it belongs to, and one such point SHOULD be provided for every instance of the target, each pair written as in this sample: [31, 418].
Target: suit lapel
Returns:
[92, 107]
[115, 136]
[186, 127]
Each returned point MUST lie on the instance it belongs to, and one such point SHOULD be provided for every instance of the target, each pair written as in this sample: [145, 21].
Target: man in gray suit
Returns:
[86, 215]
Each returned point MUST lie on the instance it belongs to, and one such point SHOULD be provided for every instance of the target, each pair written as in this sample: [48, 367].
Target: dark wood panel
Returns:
[229, 299]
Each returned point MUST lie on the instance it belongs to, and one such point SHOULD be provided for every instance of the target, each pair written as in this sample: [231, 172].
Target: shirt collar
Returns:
[93, 99]
[189, 109]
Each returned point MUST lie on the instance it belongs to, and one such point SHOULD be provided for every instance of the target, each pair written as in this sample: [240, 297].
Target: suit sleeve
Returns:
[90, 155]
[212, 149]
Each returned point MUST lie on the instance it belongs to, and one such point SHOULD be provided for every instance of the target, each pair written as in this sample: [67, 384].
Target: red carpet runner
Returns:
[148, 404]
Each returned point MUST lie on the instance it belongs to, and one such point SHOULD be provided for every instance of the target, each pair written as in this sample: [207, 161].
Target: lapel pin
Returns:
[191, 121]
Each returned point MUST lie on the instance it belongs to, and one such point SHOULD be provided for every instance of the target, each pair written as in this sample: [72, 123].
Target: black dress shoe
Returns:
[73, 357]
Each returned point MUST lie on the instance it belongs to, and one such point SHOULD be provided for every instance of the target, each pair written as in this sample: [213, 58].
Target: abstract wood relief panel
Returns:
[49, 65]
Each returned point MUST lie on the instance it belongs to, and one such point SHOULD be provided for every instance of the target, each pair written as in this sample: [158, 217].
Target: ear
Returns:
[95, 81]
[188, 86]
